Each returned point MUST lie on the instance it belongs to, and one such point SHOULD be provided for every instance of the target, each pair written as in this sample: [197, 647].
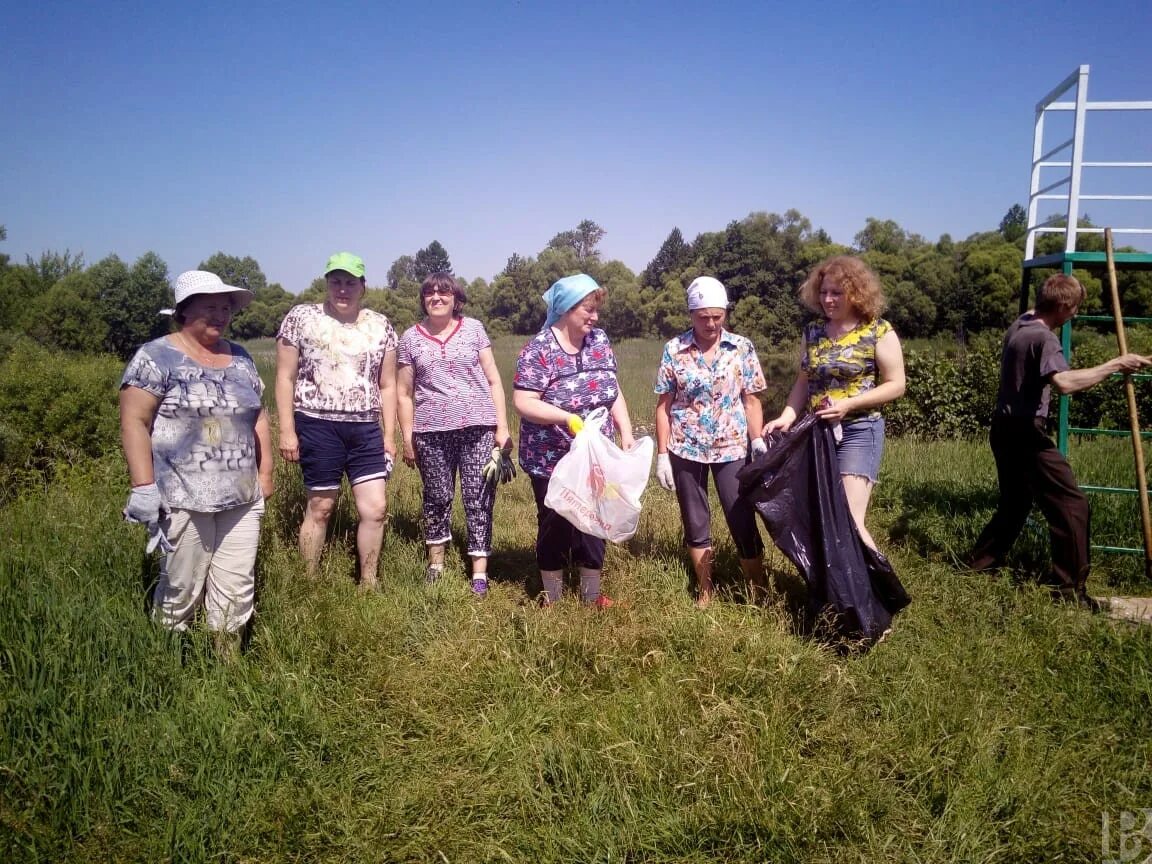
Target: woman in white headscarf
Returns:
[706, 412]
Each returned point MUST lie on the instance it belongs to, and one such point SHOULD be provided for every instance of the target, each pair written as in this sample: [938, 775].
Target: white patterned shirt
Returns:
[339, 373]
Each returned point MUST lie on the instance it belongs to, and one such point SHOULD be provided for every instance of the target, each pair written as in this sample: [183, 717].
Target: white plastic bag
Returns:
[597, 486]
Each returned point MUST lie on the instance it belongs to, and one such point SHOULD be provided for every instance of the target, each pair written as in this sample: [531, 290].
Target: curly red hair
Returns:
[861, 286]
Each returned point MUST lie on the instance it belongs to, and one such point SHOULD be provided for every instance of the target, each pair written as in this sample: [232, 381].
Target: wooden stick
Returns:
[1133, 417]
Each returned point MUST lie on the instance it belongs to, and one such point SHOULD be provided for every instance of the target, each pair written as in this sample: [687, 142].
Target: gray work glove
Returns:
[759, 447]
[144, 505]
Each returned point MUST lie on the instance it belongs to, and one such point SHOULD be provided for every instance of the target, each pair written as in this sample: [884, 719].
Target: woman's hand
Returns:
[834, 410]
[781, 424]
[267, 485]
[627, 442]
[289, 446]
[503, 439]
[409, 453]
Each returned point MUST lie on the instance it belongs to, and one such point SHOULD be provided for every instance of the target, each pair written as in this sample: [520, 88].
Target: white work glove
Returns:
[759, 448]
[144, 505]
[157, 538]
[664, 471]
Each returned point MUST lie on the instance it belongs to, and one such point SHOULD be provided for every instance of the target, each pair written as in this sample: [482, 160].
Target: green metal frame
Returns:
[1067, 262]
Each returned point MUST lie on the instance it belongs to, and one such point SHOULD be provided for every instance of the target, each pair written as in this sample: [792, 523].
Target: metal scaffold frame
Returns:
[1068, 188]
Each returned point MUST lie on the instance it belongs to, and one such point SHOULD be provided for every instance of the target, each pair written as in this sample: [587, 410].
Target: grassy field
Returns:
[418, 724]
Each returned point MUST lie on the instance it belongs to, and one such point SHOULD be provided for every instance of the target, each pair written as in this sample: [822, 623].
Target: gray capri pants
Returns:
[692, 495]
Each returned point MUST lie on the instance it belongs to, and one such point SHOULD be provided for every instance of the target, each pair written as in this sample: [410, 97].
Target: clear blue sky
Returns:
[290, 130]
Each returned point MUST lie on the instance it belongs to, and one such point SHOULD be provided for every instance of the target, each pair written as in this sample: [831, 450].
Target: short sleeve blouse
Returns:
[449, 387]
[339, 369]
[842, 367]
[204, 434]
[708, 419]
[577, 383]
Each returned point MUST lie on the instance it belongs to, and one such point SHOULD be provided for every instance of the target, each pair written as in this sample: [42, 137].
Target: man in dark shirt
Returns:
[1029, 467]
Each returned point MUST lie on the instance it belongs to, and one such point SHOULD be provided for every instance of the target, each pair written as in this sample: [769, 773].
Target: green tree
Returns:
[672, 255]
[1014, 225]
[242, 272]
[403, 270]
[621, 315]
[3, 257]
[990, 269]
[582, 240]
[130, 301]
[516, 306]
[431, 259]
[20, 287]
[51, 267]
[910, 310]
[69, 316]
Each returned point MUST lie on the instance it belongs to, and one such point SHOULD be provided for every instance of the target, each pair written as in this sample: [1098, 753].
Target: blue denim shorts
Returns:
[861, 446]
[328, 448]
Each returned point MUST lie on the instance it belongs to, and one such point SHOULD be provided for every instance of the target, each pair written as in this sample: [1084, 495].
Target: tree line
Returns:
[957, 288]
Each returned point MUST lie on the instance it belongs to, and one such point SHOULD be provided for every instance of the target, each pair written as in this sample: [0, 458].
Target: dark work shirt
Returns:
[1030, 356]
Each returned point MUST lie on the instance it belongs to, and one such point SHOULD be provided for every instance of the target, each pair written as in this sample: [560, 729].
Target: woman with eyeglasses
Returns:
[452, 415]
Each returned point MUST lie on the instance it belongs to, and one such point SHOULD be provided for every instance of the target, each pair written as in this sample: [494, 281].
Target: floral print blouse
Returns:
[708, 420]
[842, 367]
[339, 373]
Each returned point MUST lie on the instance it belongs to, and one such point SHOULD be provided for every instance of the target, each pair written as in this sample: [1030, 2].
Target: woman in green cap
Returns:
[335, 384]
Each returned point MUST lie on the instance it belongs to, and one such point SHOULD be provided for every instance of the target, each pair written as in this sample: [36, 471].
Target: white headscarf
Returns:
[705, 292]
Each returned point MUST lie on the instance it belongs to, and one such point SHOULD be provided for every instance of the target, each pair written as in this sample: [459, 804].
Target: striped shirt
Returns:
[449, 389]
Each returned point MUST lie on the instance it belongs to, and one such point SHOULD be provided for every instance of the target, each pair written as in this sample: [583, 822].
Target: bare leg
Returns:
[435, 561]
[314, 528]
[702, 565]
[858, 489]
[753, 569]
[372, 507]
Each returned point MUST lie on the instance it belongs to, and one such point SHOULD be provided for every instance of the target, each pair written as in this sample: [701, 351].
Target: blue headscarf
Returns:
[565, 294]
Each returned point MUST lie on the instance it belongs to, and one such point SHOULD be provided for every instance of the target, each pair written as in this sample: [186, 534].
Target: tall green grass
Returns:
[418, 724]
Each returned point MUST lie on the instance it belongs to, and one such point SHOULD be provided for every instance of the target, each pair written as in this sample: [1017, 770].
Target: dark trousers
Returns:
[557, 538]
[1030, 469]
[691, 479]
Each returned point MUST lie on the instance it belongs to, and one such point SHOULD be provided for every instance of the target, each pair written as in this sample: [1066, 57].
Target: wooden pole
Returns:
[1133, 417]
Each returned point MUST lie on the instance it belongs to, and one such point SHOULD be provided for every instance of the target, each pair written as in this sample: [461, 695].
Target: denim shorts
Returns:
[328, 448]
[861, 446]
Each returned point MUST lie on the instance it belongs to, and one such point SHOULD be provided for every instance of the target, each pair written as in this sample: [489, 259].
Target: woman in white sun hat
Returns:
[199, 455]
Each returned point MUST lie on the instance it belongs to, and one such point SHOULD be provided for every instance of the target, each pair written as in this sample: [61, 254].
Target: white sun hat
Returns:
[194, 282]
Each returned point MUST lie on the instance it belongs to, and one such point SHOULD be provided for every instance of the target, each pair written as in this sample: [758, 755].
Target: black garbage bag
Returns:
[797, 491]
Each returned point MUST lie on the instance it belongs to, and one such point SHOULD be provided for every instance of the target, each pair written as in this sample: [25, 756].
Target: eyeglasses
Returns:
[431, 292]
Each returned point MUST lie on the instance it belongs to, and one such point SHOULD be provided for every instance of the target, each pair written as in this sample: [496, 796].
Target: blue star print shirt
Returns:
[578, 383]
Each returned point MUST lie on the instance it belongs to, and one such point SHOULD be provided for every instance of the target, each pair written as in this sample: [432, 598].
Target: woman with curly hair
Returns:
[850, 365]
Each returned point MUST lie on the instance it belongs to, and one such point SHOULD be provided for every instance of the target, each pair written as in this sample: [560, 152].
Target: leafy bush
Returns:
[55, 406]
[951, 389]
[1105, 405]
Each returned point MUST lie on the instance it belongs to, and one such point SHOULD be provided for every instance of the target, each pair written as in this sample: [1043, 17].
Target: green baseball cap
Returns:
[347, 262]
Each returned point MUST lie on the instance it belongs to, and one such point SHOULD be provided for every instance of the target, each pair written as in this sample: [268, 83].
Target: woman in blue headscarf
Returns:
[562, 375]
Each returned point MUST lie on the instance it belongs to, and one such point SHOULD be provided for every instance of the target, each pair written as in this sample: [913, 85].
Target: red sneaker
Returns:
[602, 602]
